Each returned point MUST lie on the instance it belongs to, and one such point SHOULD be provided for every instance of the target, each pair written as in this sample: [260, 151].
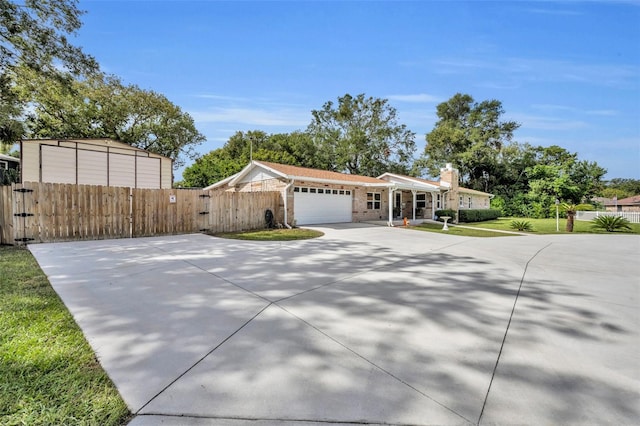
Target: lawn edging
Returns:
[49, 372]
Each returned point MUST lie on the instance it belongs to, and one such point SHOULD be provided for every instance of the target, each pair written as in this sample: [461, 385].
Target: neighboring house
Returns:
[630, 204]
[93, 162]
[9, 167]
[313, 196]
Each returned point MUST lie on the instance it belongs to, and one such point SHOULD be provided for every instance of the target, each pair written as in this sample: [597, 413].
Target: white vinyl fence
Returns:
[633, 217]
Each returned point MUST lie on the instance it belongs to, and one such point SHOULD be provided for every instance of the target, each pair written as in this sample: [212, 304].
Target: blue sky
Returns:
[569, 72]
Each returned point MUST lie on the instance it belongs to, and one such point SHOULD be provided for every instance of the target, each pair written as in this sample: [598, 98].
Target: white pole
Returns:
[557, 216]
[390, 207]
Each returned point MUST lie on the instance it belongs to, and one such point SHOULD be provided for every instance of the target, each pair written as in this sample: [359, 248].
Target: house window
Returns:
[469, 202]
[461, 202]
[373, 200]
[4, 165]
[304, 189]
[421, 201]
[320, 191]
[312, 190]
[347, 192]
[439, 201]
[335, 191]
[296, 189]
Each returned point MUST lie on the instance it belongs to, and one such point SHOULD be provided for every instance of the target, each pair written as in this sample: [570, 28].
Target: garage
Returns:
[321, 205]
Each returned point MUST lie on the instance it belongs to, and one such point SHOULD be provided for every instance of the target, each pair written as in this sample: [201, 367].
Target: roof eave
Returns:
[340, 182]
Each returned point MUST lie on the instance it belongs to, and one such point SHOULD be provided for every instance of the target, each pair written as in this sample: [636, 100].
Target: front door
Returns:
[397, 206]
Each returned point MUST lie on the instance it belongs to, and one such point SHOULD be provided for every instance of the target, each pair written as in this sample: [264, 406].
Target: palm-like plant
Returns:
[610, 223]
[521, 225]
[570, 209]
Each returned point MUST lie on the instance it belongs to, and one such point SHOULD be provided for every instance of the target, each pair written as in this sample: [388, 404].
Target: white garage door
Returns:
[320, 205]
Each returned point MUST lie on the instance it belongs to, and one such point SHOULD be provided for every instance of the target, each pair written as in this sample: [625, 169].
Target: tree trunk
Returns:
[570, 217]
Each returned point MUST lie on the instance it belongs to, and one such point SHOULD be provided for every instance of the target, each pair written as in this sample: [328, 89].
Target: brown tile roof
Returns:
[629, 201]
[303, 172]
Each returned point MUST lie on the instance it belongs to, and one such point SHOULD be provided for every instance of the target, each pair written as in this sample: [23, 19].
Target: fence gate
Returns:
[205, 217]
[24, 222]
[50, 212]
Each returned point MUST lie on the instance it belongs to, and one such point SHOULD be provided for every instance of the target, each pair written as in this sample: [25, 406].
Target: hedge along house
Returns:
[93, 162]
[312, 196]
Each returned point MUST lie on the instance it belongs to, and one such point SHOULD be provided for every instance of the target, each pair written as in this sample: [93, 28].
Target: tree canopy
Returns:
[295, 148]
[102, 106]
[34, 37]
[51, 88]
[621, 188]
[361, 135]
[471, 136]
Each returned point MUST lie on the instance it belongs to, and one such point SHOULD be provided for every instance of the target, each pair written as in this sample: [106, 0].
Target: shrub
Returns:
[521, 225]
[610, 223]
[447, 212]
[478, 215]
[499, 203]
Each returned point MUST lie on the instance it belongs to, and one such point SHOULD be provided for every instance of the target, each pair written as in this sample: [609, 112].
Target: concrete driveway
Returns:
[367, 324]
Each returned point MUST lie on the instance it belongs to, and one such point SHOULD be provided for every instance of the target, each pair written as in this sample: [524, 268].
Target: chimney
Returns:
[449, 180]
[449, 175]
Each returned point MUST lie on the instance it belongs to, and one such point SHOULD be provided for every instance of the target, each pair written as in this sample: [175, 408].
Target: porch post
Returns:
[390, 206]
[433, 205]
[413, 191]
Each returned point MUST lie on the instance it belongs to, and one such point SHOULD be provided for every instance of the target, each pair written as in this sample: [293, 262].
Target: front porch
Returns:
[413, 204]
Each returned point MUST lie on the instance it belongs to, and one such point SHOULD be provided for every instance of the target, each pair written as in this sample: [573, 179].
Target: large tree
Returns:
[620, 188]
[361, 135]
[471, 136]
[559, 175]
[295, 149]
[34, 37]
[102, 106]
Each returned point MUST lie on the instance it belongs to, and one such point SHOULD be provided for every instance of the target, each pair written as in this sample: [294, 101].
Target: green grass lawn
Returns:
[273, 234]
[464, 232]
[548, 226]
[48, 371]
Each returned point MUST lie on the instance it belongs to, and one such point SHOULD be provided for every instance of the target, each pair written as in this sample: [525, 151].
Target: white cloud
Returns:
[562, 12]
[520, 70]
[253, 116]
[537, 122]
[221, 97]
[414, 98]
[550, 108]
[603, 112]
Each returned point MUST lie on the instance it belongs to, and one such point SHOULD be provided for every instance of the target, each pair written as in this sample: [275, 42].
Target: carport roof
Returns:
[409, 182]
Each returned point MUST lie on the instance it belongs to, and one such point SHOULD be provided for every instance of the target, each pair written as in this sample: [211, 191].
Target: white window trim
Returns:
[375, 201]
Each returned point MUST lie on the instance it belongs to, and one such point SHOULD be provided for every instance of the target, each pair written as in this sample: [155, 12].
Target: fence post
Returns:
[130, 212]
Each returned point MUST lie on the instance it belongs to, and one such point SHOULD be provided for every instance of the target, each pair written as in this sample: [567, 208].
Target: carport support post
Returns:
[413, 192]
[433, 205]
[391, 207]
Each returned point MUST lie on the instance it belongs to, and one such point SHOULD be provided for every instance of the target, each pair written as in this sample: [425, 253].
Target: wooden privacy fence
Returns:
[49, 212]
